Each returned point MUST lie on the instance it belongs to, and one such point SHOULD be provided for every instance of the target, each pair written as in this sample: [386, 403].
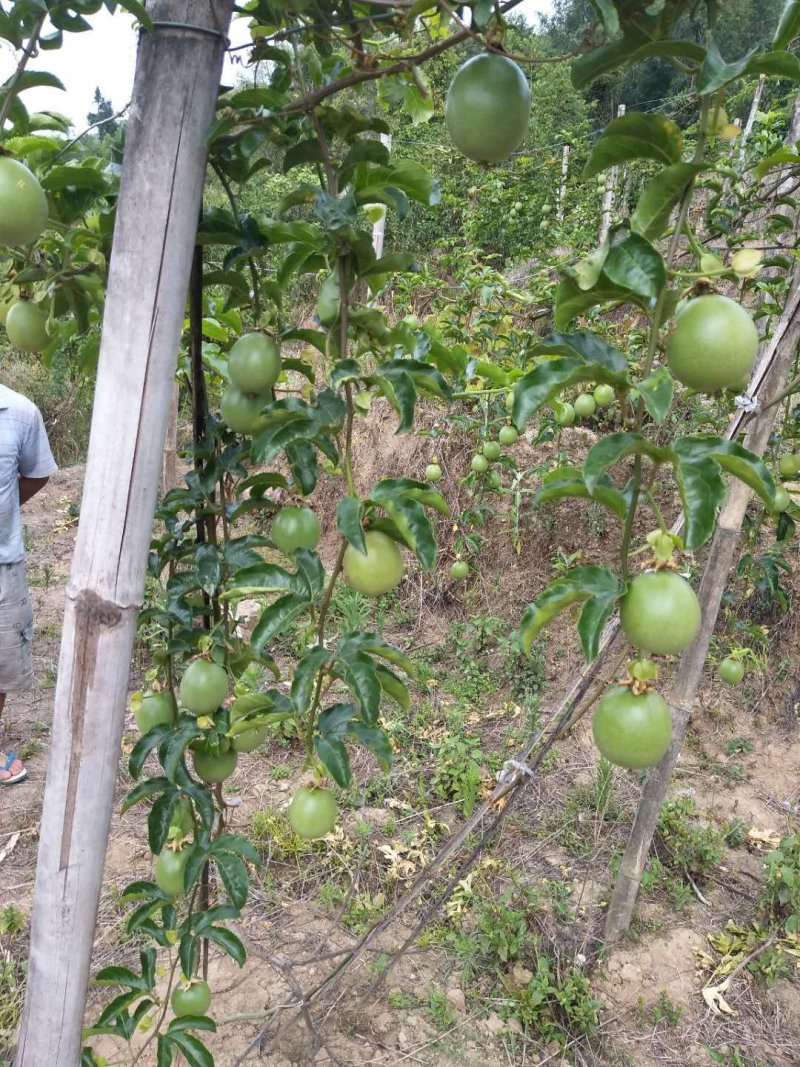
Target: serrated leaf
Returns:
[598, 586]
[657, 391]
[659, 197]
[637, 135]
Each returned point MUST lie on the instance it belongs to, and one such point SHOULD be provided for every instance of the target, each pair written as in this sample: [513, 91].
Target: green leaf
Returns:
[72, 177]
[393, 686]
[592, 361]
[378, 646]
[572, 301]
[775, 65]
[363, 151]
[393, 263]
[266, 577]
[148, 788]
[657, 391]
[276, 618]
[597, 587]
[209, 568]
[661, 194]
[305, 675]
[637, 135]
[233, 874]
[587, 272]
[734, 459]
[228, 942]
[613, 449]
[310, 572]
[591, 65]
[607, 14]
[357, 671]
[377, 741]
[634, 264]
[349, 522]
[144, 746]
[303, 152]
[715, 72]
[702, 492]
[334, 757]
[409, 517]
[788, 25]
[194, 1051]
[785, 156]
[569, 482]
[159, 820]
[417, 104]
[122, 976]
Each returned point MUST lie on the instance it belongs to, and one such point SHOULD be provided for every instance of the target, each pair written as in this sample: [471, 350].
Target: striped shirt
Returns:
[24, 453]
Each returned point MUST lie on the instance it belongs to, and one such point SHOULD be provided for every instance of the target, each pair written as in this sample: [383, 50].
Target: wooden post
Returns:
[177, 78]
[780, 350]
[379, 228]
[562, 187]
[607, 209]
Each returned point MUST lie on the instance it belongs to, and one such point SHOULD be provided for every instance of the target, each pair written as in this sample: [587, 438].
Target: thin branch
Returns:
[74, 141]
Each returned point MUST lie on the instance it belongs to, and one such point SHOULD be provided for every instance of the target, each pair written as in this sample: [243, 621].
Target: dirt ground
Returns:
[432, 1010]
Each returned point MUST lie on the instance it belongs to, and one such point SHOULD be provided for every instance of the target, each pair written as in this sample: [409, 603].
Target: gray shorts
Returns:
[16, 630]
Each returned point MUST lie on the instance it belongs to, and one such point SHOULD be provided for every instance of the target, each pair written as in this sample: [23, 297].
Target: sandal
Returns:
[12, 778]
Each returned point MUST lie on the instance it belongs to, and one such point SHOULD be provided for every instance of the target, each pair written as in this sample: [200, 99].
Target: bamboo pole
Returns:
[169, 468]
[379, 228]
[751, 120]
[609, 194]
[780, 353]
[177, 76]
[562, 186]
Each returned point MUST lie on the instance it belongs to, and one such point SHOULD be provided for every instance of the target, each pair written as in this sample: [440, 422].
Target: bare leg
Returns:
[16, 766]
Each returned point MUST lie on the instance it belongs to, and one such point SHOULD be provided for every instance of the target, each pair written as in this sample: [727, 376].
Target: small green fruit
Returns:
[492, 451]
[781, 500]
[585, 406]
[479, 464]
[604, 395]
[507, 436]
[459, 570]
[789, 465]
[566, 416]
[433, 472]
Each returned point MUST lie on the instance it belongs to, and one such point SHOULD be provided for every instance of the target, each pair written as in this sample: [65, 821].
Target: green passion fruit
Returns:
[492, 450]
[169, 871]
[789, 465]
[479, 464]
[488, 108]
[781, 500]
[603, 395]
[433, 472]
[254, 363]
[632, 731]
[26, 326]
[377, 572]
[508, 435]
[294, 528]
[660, 612]
[213, 768]
[23, 205]
[156, 709]
[731, 671]
[565, 416]
[191, 998]
[459, 570]
[204, 687]
[585, 406]
[313, 812]
[240, 412]
[712, 345]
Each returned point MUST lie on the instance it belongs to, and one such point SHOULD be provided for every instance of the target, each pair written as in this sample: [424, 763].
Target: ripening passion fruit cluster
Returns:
[660, 615]
[254, 364]
[23, 217]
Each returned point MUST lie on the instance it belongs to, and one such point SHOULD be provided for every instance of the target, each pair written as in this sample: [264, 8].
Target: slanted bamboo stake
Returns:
[782, 349]
[177, 76]
[609, 195]
[562, 187]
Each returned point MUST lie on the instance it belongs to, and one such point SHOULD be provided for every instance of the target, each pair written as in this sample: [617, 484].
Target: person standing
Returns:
[26, 464]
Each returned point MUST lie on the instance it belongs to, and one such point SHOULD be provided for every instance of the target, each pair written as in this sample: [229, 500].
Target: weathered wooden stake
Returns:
[379, 228]
[177, 77]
